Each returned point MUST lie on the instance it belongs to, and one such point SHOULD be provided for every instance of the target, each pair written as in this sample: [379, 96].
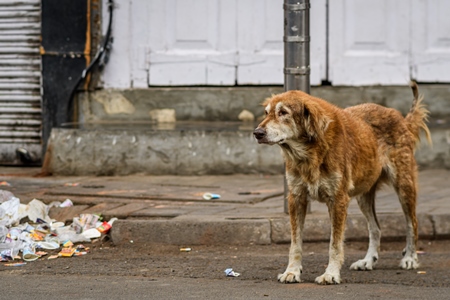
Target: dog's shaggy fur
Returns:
[334, 154]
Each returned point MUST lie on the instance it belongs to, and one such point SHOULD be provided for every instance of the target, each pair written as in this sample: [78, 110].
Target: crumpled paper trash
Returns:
[36, 209]
[9, 208]
[230, 273]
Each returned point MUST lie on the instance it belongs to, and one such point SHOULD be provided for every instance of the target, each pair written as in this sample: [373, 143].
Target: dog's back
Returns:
[388, 124]
[395, 134]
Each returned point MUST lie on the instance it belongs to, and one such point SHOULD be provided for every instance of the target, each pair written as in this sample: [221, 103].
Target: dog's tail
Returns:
[418, 115]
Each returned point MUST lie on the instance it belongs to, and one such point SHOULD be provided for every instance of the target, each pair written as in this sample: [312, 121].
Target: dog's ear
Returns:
[266, 101]
[315, 121]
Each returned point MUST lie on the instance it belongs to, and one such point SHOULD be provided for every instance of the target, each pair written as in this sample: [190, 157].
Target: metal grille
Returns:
[20, 78]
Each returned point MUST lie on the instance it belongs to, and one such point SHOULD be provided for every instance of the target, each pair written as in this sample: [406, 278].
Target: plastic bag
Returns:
[3, 233]
[5, 195]
[38, 210]
[9, 211]
[10, 250]
[67, 233]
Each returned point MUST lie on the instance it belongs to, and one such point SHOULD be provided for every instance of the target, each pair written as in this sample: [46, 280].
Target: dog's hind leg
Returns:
[297, 213]
[405, 185]
[366, 203]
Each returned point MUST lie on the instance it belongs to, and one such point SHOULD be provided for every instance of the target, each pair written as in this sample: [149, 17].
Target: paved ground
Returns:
[171, 209]
[139, 271]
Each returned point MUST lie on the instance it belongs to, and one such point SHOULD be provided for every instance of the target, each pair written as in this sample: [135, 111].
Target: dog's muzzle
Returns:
[260, 134]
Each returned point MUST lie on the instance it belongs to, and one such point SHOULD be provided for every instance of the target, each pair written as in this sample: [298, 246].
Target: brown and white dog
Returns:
[333, 154]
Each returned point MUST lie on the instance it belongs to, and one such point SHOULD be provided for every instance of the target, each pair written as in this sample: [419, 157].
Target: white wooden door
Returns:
[430, 40]
[192, 42]
[172, 42]
[204, 42]
[260, 41]
[369, 42]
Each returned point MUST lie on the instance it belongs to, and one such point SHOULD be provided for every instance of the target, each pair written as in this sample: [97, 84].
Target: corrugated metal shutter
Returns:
[20, 79]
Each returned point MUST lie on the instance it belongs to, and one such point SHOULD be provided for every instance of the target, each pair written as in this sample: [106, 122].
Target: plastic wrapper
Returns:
[104, 227]
[49, 244]
[66, 203]
[14, 233]
[10, 250]
[67, 233]
[91, 233]
[3, 233]
[84, 222]
[5, 195]
[230, 273]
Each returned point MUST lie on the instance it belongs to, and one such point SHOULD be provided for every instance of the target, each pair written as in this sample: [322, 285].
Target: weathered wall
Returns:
[178, 152]
[225, 104]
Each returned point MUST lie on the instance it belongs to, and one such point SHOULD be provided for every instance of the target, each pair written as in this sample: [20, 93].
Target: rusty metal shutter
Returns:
[20, 79]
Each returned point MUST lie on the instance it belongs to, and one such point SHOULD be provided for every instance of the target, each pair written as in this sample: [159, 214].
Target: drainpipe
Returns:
[296, 54]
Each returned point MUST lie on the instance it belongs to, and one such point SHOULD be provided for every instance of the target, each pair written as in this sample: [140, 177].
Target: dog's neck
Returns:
[295, 152]
[304, 156]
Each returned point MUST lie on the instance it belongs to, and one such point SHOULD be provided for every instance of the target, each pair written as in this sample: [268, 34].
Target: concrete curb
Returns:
[222, 231]
[192, 232]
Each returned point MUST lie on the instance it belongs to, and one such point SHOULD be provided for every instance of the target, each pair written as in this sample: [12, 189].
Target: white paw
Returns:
[409, 263]
[365, 264]
[329, 278]
[291, 275]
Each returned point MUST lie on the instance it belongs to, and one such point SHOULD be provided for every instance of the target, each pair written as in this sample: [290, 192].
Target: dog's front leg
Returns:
[297, 213]
[338, 213]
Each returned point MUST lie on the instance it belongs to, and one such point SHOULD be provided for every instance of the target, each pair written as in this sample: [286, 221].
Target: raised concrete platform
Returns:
[184, 150]
[118, 134]
[187, 148]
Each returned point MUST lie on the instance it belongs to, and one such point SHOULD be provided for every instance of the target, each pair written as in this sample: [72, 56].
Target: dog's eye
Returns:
[282, 113]
[266, 112]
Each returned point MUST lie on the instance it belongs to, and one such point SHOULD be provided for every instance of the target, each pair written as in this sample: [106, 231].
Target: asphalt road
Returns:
[163, 272]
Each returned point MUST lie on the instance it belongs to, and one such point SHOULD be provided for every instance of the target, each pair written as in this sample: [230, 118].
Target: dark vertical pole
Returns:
[296, 53]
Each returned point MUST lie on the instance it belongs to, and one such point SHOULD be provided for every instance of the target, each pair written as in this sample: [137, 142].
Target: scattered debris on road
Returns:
[28, 229]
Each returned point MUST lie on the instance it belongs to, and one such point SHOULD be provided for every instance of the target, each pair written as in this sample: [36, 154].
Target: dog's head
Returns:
[292, 116]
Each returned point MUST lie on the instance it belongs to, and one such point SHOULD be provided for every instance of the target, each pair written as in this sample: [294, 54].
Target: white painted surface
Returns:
[430, 40]
[117, 72]
[197, 46]
[318, 41]
[369, 42]
[260, 42]
[228, 42]
[204, 42]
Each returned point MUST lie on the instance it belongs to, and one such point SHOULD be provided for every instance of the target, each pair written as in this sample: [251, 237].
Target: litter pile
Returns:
[28, 229]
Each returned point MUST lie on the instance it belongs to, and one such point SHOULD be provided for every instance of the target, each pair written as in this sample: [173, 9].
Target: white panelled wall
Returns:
[240, 42]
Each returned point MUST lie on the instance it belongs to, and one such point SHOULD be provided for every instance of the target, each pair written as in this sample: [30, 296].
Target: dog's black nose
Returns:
[259, 133]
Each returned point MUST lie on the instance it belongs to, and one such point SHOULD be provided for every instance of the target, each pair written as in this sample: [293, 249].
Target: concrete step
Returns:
[186, 148]
[183, 148]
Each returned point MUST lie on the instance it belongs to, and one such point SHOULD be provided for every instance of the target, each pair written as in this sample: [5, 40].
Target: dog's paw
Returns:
[329, 278]
[290, 276]
[409, 263]
[365, 264]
